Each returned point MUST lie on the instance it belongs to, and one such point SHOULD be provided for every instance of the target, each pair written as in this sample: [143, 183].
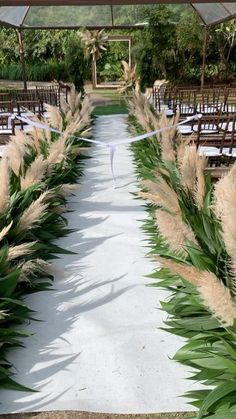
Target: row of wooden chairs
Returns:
[25, 103]
[214, 136]
[44, 95]
[189, 102]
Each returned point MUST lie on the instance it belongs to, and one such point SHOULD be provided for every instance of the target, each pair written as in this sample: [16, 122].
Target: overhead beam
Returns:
[97, 2]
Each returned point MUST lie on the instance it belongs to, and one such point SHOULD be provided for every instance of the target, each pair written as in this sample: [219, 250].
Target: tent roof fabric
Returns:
[97, 13]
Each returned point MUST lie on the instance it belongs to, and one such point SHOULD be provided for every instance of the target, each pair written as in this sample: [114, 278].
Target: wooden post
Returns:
[204, 53]
[94, 72]
[22, 57]
[112, 16]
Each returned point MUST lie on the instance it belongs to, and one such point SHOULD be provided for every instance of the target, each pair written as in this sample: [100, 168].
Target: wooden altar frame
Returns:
[114, 38]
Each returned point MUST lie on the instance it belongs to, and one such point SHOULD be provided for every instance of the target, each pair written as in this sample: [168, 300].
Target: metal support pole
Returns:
[204, 53]
[22, 57]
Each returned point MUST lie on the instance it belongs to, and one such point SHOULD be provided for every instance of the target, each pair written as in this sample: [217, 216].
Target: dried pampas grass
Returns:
[167, 138]
[68, 188]
[54, 117]
[33, 267]
[174, 231]
[212, 291]
[15, 152]
[74, 100]
[192, 168]
[34, 213]
[20, 250]
[4, 184]
[57, 152]
[4, 314]
[5, 230]
[34, 173]
[161, 193]
[225, 209]
[188, 168]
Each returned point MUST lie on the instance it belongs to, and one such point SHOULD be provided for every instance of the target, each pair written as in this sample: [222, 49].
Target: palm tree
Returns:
[94, 42]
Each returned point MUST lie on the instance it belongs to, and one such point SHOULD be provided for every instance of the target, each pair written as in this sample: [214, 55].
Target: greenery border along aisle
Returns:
[192, 233]
[38, 171]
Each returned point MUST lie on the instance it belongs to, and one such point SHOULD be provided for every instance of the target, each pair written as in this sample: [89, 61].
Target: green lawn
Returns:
[111, 109]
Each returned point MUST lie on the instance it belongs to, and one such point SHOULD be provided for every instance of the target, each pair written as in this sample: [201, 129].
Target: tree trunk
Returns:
[204, 53]
[22, 57]
[94, 73]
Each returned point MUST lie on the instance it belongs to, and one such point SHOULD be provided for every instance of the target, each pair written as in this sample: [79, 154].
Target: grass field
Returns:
[110, 109]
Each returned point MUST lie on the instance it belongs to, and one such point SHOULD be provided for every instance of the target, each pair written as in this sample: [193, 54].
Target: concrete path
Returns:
[100, 348]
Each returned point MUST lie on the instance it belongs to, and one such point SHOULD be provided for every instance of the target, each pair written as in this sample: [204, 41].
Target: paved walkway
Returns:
[100, 347]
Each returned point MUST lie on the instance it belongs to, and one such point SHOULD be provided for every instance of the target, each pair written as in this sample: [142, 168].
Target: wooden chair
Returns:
[185, 103]
[7, 128]
[6, 107]
[48, 96]
[210, 102]
[228, 145]
[27, 108]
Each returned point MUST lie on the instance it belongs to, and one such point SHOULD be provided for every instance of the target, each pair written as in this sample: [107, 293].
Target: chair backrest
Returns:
[48, 96]
[185, 102]
[229, 137]
[208, 130]
[210, 102]
[24, 96]
[33, 106]
[6, 107]
[5, 96]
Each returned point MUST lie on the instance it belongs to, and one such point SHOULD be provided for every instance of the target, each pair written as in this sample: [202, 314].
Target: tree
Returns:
[94, 43]
[76, 63]
[156, 54]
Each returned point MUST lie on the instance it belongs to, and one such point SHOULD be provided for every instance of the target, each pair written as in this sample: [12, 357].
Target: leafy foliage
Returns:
[199, 275]
[39, 172]
[75, 63]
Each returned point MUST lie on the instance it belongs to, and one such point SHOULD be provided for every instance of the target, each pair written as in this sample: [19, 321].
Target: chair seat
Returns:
[226, 152]
[185, 129]
[231, 108]
[223, 126]
[209, 151]
[6, 131]
[27, 113]
[169, 112]
[209, 129]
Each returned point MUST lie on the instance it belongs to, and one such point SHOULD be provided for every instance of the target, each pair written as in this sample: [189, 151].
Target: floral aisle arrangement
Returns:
[38, 171]
[192, 234]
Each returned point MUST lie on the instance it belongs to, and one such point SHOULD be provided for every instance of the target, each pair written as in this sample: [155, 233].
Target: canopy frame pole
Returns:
[112, 15]
[22, 56]
[204, 54]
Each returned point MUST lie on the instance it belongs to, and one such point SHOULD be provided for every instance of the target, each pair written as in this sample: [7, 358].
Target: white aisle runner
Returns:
[100, 347]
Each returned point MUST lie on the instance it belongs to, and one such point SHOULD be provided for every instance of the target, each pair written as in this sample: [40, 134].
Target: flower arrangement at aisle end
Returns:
[38, 171]
[192, 232]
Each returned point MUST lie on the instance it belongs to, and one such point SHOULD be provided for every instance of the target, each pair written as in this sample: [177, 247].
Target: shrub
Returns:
[36, 72]
[75, 63]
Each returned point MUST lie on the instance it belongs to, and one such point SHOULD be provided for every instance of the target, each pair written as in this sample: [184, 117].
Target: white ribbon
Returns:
[111, 145]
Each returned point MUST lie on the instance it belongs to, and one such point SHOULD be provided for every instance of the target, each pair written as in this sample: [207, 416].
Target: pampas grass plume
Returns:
[34, 173]
[4, 184]
[33, 214]
[5, 230]
[174, 231]
[212, 291]
[20, 250]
